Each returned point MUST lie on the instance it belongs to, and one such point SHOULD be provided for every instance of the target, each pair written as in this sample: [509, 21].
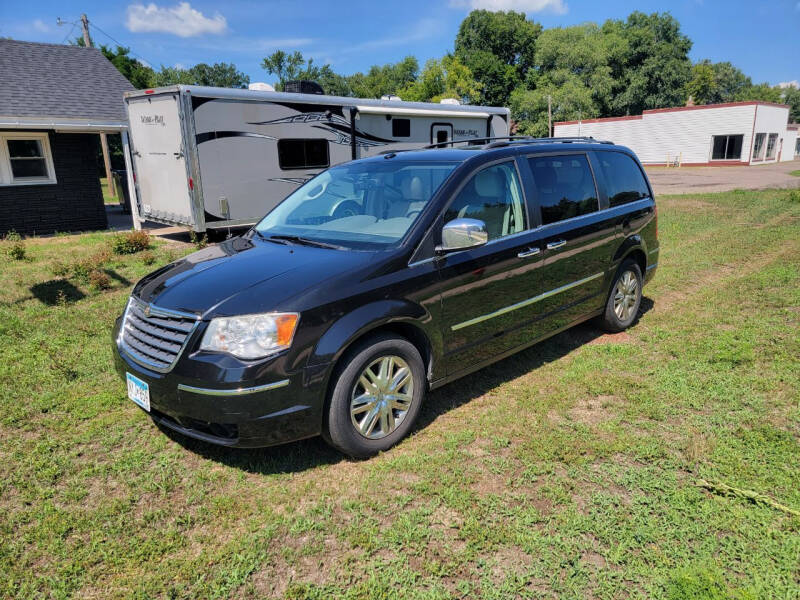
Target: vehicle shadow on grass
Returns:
[314, 452]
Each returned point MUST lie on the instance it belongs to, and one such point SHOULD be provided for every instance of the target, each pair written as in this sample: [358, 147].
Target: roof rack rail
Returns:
[487, 143]
[474, 141]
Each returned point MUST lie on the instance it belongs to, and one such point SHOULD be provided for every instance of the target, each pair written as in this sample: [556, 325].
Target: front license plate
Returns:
[138, 391]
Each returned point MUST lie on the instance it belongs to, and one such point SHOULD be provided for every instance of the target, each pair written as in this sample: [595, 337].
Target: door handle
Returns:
[529, 252]
[556, 244]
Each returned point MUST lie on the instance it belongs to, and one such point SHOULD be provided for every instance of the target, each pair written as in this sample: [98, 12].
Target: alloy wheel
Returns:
[382, 397]
[626, 295]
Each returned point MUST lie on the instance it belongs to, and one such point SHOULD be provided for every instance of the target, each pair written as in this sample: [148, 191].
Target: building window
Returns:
[772, 145]
[758, 146]
[303, 154]
[25, 159]
[401, 127]
[727, 147]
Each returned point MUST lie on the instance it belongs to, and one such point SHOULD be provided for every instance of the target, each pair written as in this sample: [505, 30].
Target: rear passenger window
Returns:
[624, 180]
[564, 186]
[493, 196]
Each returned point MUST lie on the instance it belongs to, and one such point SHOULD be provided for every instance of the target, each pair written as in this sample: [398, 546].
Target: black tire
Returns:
[612, 321]
[339, 429]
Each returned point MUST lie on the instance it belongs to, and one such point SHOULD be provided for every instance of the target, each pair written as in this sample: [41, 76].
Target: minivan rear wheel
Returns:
[624, 299]
[376, 396]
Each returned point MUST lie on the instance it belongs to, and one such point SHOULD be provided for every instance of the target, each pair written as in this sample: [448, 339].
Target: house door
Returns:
[441, 132]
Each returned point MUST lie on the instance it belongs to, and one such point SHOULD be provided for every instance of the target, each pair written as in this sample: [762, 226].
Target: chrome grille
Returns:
[154, 337]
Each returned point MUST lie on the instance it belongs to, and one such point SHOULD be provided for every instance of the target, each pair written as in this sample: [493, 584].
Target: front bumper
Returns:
[247, 408]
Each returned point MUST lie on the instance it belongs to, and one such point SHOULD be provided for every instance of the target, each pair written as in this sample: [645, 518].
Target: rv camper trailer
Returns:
[213, 157]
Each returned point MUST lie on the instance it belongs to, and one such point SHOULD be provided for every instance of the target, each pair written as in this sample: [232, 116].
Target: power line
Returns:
[118, 43]
[69, 34]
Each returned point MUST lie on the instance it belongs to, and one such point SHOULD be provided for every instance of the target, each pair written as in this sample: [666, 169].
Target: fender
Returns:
[631, 243]
[354, 324]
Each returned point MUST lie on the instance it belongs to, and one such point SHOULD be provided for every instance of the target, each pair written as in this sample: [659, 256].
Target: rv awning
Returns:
[62, 124]
[399, 110]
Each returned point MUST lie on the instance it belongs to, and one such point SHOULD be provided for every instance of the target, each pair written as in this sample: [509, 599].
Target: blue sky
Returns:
[763, 39]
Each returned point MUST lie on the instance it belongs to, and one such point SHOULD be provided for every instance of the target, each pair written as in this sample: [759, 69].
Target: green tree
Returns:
[380, 80]
[445, 78]
[791, 96]
[216, 75]
[498, 47]
[702, 87]
[654, 68]
[762, 91]
[730, 81]
[571, 101]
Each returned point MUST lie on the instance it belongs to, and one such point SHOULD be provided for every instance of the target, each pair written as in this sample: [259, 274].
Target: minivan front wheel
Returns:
[376, 396]
[624, 298]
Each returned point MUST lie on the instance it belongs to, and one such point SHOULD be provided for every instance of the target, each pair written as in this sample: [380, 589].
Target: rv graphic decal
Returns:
[215, 135]
[332, 123]
[292, 180]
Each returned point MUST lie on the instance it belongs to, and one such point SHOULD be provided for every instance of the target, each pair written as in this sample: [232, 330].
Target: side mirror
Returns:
[460, 234]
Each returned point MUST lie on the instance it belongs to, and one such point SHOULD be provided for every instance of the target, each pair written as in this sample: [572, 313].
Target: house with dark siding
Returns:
[54, 101]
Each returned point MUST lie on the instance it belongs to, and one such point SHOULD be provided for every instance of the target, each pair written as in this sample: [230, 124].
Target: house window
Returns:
[401, 127]
[772, 144]
[758, 146]
[25, 159]
[303, 154]
[727, 147]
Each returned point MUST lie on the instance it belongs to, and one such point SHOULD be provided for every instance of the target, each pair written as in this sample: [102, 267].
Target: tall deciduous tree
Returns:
[498, 47]
[702, 87]
[381, 80]
[655, 68]
[216, 75]
[445, 78]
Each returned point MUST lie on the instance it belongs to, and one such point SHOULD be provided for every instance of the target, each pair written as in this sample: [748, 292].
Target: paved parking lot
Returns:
[688, 180]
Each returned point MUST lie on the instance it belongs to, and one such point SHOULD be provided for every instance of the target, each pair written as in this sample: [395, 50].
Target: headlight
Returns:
[250, 336]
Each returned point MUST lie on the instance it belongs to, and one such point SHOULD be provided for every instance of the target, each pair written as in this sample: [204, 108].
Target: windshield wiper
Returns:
[296, 239]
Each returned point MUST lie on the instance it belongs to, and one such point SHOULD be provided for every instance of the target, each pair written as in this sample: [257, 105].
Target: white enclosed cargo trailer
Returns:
[214, 157]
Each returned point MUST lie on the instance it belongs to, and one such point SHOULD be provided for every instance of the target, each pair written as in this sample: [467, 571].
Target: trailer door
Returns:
[441, 132]
[159, 159]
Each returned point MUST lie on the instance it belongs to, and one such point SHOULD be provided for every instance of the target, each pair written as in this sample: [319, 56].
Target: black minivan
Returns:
[383, 278]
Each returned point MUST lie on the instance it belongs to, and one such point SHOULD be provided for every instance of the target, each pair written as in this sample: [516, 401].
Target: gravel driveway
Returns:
[687, 180]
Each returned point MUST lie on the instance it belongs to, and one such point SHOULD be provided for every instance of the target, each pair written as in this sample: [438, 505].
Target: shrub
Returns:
[148, 257]
[15, 247]
[200, 241]
[83, 268]
[99, 280]
[794, 196]
[130, 242]
[60, 269]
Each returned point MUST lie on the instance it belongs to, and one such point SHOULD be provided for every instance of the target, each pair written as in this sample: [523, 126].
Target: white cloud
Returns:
[558, 7]
[41, 26]
[785, 84]
[181, 20]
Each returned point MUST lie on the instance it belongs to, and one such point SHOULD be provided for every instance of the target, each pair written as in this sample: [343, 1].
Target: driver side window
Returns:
[493, 196]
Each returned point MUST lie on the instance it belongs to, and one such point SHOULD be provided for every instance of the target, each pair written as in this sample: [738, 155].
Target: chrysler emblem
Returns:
[147, 311]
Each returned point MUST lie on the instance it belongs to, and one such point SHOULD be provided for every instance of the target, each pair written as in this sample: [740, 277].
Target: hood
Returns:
[268, 273]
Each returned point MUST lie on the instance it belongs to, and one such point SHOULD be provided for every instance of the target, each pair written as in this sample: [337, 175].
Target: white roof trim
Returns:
[399, 110]
[62, 124]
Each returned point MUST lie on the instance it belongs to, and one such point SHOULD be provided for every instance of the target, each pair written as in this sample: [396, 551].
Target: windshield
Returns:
[364, 205]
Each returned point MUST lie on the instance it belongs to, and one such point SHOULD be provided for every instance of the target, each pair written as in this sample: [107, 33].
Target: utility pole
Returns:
[549, 116]
[103, 139]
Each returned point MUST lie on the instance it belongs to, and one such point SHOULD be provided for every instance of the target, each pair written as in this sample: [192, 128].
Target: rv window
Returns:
[303, 154]
[401, 127]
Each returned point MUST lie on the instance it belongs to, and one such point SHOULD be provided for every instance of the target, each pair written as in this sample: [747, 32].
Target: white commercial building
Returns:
[736, 133]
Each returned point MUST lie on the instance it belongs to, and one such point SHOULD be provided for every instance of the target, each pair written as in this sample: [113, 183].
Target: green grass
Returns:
[566, 471]
[107, 198]
[796, 173]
